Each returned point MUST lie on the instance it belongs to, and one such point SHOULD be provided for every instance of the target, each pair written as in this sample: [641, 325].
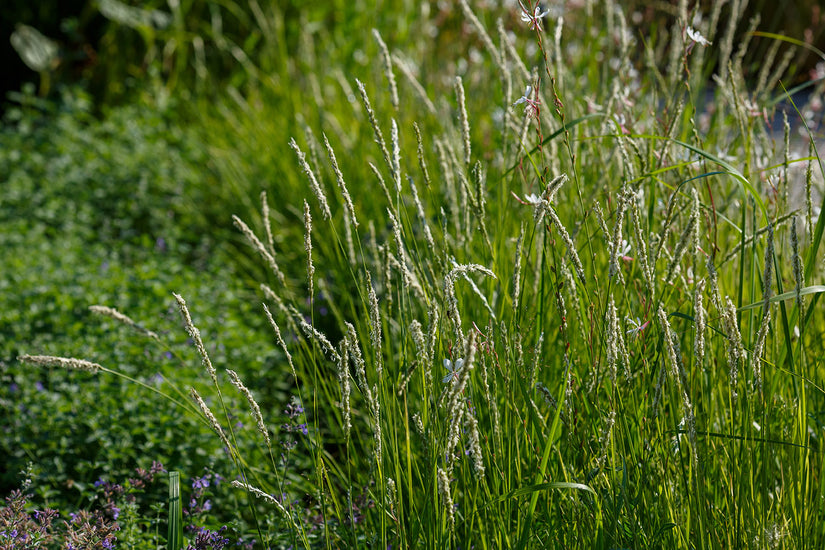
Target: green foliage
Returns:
[570, 335]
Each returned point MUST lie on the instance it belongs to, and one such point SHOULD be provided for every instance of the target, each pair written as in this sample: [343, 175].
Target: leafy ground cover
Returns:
[520, 277]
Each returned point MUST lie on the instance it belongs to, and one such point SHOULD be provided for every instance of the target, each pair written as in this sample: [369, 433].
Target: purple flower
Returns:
[200, 482]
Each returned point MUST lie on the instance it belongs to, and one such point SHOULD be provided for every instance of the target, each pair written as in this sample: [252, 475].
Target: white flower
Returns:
[625, 249]
[531, 107]
[636, 325]
[452, 370]
[533, 20]
[697, 37]
[532, 198]
[526, 97]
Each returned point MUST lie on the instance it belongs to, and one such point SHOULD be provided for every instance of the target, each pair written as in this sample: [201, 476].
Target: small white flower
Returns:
[636, 325]
[526, 97]
[531, 107]
[697, 37]
[452, 370]
[533, 20]
[625, 249]
[532, 198]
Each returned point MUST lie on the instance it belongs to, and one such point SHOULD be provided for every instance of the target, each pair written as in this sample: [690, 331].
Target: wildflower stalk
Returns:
[195, 335]
[463, 120]
[253, 405]
[259, 246]
[308, 250]
[121, 318]
[385, 55]
[341, 183]
[210, 418]
[62, 362]
[313, 182]
[379, 136]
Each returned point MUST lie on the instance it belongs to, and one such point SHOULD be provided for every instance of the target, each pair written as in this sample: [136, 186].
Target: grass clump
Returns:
[485, 331]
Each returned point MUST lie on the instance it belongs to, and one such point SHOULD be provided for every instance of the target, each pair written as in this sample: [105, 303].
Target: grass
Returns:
[589, 320]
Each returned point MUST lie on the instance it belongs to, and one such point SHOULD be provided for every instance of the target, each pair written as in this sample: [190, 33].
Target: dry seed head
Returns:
[391, 493]
[444, 493]
[348, 238]
[715, 297]
[475, 445]
[314, 334]
[517, 270]
[616, 244]
[787, 135]
[343, 381]
[121, 318]
[808, 180]
[641, 247]
[382, 184]
[360, 366]
[421, 161]
[385, 54]
[612, 339]
[597, 208]
[410, 278]
[420, 342]
[463, 120]
[767, 276]
[253, 405]
[432, 333]
[396, 155]
[342, 185]
[678, 372]
[456, 405]
[259, 246]
[568, 242]
[308, 249]
[313, 182]
[798, 271]
[379, 137]
[666, 226]
[376, 413]
[422, 216]
[376, 337]
[280, 340]
[736, 353]
[604, 440]
[195, 334]
[271, 295]
[699, 316]
[213, 422]
[553, 187]
[64, 362]
[681, 247]
[270, 241]
[262, 495]
[759, 347]
[477, 292]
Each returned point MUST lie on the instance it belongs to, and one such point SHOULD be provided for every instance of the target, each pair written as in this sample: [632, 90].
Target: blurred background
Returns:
[110, 46]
